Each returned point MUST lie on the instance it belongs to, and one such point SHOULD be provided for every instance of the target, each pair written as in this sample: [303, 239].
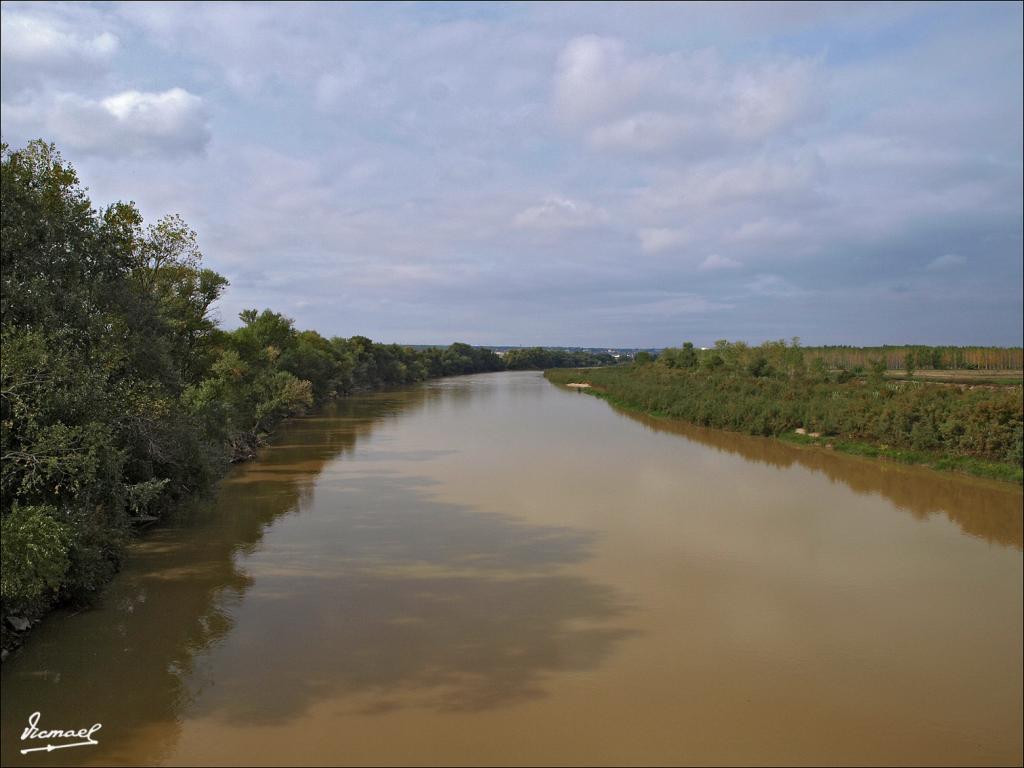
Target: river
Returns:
[494, 570]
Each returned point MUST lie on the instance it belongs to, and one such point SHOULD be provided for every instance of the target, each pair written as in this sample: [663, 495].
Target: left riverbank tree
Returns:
[119, 394]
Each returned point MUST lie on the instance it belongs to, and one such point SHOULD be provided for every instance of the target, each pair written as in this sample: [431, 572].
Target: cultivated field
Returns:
[963, 377]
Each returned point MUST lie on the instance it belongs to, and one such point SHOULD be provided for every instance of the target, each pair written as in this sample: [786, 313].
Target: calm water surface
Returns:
[495, 570]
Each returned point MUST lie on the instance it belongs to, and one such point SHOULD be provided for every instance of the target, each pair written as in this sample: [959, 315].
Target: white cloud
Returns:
[171, 122]
[331, 87]
[39, 41]
[644, 132]
[658, 239]
[714, 263]
[763, 178]
[40, 46]
[660, 307]
[654, 102]
[594, 77]
[768, 229]
[246, 46]
[774, 286]
[770, 97]
[560, 213]
[946, 261]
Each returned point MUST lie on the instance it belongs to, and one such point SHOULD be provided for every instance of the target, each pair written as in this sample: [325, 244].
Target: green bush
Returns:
[34, 548]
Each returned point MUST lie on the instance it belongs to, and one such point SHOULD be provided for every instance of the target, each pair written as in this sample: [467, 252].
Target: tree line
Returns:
[119, 394]
[922, 357]
[859, 360]
[541, 358]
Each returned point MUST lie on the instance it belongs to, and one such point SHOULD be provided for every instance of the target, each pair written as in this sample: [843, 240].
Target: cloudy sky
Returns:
[605, 174]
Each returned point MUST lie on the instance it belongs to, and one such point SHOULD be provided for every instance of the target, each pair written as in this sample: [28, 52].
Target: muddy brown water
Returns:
[494, 570]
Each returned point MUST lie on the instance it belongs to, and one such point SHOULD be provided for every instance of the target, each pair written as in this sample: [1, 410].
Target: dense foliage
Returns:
[119, 393]
[540, 358]
[773, 390]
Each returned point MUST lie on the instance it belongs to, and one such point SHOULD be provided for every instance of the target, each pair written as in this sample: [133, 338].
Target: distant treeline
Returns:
[893, 358]
[540, 358]
[777, 388]
[922, 357]
[120, 396]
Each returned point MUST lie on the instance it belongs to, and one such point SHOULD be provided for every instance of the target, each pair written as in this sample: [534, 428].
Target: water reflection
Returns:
[450, 608]
[175, 598]
[386, 597]
[988, 510]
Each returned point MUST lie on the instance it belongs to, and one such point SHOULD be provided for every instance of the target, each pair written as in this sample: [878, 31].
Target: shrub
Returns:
[34, 547]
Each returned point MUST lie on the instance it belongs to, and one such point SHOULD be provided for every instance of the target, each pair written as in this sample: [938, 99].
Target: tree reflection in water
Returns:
[401, 601]
[990, 510]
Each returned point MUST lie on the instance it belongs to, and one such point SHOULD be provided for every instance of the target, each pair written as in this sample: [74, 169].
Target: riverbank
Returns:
[793, 413]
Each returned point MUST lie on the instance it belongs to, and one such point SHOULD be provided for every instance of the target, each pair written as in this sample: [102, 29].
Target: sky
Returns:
[559, 173]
